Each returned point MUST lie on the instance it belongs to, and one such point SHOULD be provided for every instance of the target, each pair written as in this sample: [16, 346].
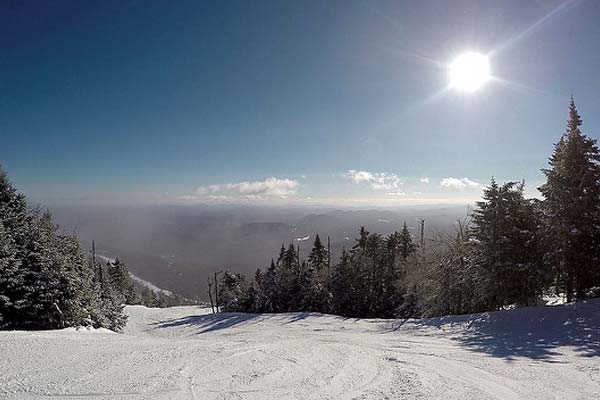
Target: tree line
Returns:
[45, 277]
[508, 251]
[47, 281]
[114, 277]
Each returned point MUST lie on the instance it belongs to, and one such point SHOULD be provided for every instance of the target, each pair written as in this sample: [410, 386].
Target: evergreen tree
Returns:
[109, 301]
[254, 299]
[15, 221]
[76, 284]
[44, 280]
[164, 301]
[281, 254]
[270, 289]
[450, 285]
[39, 295]
[364, 282]
[361, 241]
[14, 214]
[318, 255]
[315, 279]
[148, 297]
[232, 291]
[572, 208]
[9, 266]
[505, 247]
[488, 244]
[373, 265]
[290, 293]
[119, 278]
[397, 248]
[346, 287]
[407, 247]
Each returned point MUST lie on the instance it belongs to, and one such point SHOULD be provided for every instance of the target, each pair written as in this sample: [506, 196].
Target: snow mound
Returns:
[88, 329]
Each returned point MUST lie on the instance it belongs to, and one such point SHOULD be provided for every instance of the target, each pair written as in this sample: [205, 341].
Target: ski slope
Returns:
[187, 353]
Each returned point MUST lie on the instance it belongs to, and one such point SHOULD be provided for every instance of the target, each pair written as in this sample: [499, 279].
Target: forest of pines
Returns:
[509, 251]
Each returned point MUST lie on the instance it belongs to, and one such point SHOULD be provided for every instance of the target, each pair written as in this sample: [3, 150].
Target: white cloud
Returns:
[398, 194]
[424, 180]
[220, 197]
[377, 180]
[459, 183]
[268, 187]
[256, 190]
[203, 191]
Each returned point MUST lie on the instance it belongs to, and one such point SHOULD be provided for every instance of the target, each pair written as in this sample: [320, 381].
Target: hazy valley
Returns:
[178, 247]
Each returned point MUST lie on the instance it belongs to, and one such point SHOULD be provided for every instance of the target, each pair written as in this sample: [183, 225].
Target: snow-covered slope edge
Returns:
[186, 352]
[136, 278]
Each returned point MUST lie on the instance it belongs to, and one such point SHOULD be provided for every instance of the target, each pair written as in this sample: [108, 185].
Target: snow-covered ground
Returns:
[187, 353]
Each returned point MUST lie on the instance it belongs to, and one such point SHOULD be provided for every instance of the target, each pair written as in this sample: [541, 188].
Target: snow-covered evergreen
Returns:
[45, 279]
[572, 209]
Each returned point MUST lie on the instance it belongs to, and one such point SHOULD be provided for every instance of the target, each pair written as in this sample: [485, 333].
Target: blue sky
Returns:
[339, 102]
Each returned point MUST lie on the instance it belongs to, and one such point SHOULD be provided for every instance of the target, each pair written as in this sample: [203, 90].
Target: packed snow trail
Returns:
[187, 353]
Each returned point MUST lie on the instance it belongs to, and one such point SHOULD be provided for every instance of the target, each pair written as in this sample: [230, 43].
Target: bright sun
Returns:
[469, 71]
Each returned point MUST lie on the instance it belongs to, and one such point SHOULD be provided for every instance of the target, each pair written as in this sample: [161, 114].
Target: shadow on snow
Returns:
[212, 322]
[534, 332]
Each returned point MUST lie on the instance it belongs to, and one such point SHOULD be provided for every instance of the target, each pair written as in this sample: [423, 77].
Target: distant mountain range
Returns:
[178, 247]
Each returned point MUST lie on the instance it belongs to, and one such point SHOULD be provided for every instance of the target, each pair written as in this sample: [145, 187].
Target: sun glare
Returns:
[469, 71]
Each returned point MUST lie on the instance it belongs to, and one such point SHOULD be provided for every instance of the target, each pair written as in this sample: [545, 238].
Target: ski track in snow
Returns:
[188, 353]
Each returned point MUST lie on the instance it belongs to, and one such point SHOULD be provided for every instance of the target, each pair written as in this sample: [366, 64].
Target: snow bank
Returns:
[87, 329]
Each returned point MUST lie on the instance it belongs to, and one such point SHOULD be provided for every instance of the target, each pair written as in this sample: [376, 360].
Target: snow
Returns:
[88, 329]
[149, 285]
[555, 300]
[187, 353]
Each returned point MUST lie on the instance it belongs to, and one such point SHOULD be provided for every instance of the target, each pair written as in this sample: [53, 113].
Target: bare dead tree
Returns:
[422, 223]
[210, 295]
[328, 257]
[216, 292]
[94, 255]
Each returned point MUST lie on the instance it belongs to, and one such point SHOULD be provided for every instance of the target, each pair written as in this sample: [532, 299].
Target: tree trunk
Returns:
[569, 287]
[216, 293]
[210, 295]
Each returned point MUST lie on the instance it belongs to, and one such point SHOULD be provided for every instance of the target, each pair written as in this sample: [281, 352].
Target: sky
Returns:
[287, 102]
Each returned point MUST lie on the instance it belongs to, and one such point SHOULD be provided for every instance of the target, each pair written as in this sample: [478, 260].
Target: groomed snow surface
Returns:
[187, 353]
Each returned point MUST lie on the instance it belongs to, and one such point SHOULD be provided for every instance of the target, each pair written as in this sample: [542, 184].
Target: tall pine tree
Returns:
[571, 208]
[505, 248]
[407, 247]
